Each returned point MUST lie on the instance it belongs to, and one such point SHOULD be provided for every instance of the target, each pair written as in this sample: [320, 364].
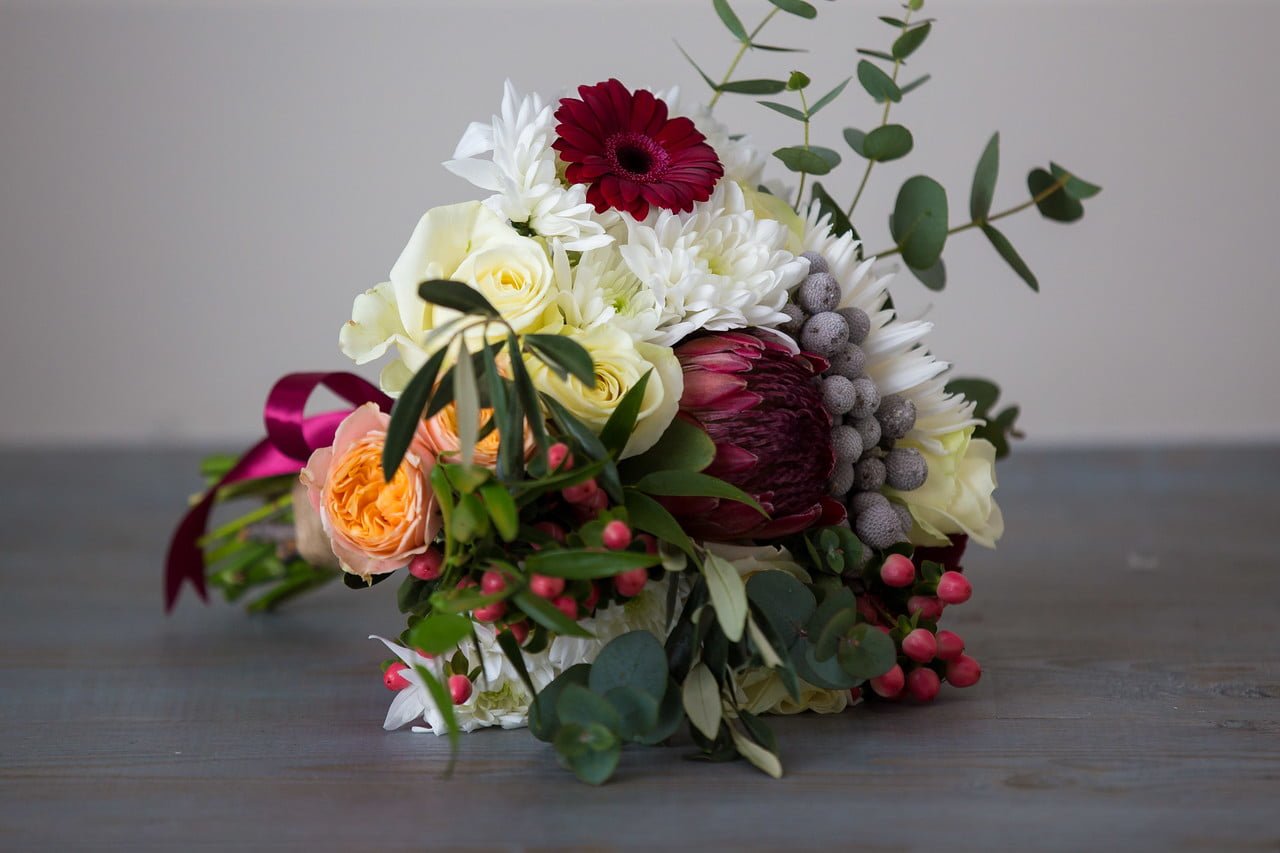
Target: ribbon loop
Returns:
[292, 436]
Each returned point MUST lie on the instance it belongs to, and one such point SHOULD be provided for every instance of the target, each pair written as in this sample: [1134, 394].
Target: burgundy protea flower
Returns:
[623, 145]
[761, 406]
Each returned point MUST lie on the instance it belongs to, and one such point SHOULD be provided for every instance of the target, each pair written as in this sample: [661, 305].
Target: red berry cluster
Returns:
[905, 600]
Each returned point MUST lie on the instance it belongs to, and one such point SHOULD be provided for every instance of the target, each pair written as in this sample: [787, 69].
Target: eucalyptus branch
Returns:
[804, 106]
[978, 223]
[742, 50]
[884, 119]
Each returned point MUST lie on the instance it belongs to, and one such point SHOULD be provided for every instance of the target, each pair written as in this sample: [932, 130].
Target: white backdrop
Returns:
[192, 193]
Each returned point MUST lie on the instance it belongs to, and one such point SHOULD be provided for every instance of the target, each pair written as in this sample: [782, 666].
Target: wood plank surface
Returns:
[1130, 698]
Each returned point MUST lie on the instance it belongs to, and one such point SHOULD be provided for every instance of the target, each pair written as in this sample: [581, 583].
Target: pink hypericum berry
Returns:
[593, 598]
[490, 612]
[426, 566]
[466, 583]
[559, 455]
[459, 688]
[923, 684]
[392, 677]
[630, 583]
[519, 630]
[926, 605]
[855, 693]
[649, 542]
[593, 506]
[954, 588]
[920, 645]
[555, 531]
[616, 535]
[890, 684]
[491, 582]
[950, 645]
[885, 629]
[964, 671]
[581, 493]
[566, 605]
[546, 586]
[898, 571]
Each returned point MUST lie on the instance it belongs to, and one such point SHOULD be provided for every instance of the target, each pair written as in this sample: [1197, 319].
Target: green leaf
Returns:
[826, 674]
[456, 296]
[934, 278]
[768, 654]
[585, 564]
[866, 652]
[896, 23]
[1075, 187]
[565, 355]
[701, 73]
[798, 81]
[701, 698]
[785, 602]
[731, 20]
[753, 87]
[827, 641]
[840, 224]
[789, 112]
[544, 721]
[728, 595]
[761, 758]
[906, 44]
[683, 447]
[888, 142]
[775, 49]
[638, 712]
[916, 84]
[919, 221]
[813, 160]
[648, 515]
[856, 140]
[582, 706]
[999, 430]
[983, 392]
[828, 98]
[878, 54]
[468, 403]
[591, 752]
[511, 649]
[548, 615]
[689, 484]
[1057, 206]
[439, 633]
[1011, 256]
[634, 659]
[796, 7]
[528, 396]
[878, 84]
[984, 180]
[407, 413]
[441, 698]
[915, 5]
[502, 510]
[617, 430]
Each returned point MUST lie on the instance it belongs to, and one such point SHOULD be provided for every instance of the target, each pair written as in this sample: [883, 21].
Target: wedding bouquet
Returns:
[661, 450]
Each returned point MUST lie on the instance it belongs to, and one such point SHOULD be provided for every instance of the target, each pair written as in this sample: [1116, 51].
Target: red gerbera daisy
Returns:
[631, 154]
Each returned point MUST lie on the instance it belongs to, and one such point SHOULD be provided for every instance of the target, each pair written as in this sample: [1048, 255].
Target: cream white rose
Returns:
[463, 242]
[619, 364]
[957, 494]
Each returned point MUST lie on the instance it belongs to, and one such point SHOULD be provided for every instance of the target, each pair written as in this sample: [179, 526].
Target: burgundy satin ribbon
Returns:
[291, 438]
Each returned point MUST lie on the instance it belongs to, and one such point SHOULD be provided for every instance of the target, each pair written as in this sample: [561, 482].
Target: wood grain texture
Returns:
[1131, 695]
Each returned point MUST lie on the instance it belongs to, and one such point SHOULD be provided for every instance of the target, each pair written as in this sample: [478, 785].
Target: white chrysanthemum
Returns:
[522, 172]
[719, 267]
[602, 291]
[897, 361]
[499, 696]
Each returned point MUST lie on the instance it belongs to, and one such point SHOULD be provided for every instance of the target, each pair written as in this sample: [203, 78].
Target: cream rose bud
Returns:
[461, 242]
[374, 527]
[957, 495]
[619, 364]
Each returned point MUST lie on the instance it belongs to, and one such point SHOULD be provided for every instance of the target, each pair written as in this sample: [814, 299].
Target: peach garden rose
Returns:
[374, 527]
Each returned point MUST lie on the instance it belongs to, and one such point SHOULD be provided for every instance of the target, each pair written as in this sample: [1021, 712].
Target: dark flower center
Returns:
[636, 156]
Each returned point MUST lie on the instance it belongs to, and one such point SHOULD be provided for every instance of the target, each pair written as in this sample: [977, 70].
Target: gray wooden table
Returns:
[1131, 695]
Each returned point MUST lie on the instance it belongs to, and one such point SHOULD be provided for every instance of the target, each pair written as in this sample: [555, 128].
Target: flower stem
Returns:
[742, 49]
[884, 119]
[978, 223]
[804, 106]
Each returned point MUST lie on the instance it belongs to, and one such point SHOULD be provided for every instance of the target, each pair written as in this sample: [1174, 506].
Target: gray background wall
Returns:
[192, 193]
